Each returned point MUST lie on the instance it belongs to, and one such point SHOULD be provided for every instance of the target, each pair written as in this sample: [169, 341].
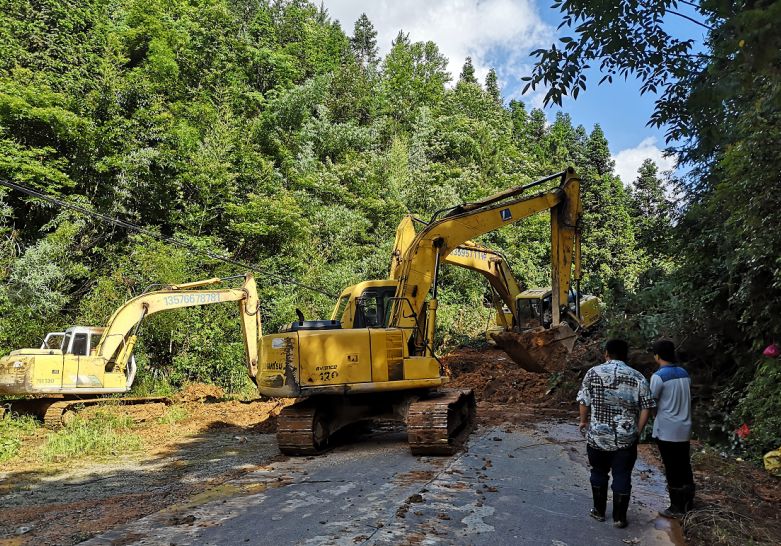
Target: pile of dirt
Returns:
[200, 392]
[495, 377]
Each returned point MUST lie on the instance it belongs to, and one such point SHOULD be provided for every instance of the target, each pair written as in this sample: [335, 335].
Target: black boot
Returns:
[620, 507]
[677, 503]
[688, 497]
[600, 502]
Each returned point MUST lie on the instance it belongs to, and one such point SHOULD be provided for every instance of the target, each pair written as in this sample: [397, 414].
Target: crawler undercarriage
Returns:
[438, 422]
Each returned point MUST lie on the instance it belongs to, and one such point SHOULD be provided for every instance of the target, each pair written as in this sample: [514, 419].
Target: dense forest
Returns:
[265, 132]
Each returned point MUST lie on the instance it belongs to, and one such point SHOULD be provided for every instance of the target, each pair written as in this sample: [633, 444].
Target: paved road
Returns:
[511, 486]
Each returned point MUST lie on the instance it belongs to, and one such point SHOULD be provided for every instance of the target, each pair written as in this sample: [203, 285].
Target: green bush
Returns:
[12, 432]
[759, 409]
[101, 435]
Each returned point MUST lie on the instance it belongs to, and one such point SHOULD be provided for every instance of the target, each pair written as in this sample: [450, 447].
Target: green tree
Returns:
[364, 41]
[492, 86]
[652, 211]
[468, 72]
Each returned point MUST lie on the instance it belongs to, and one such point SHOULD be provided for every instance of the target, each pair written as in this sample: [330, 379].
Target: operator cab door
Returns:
[79, 369]
[373, 307]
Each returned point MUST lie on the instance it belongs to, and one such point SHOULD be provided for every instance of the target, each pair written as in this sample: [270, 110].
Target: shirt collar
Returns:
[616, 362]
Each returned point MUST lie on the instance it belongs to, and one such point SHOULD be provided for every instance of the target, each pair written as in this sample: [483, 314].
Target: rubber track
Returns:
[53, 416]
[295, 434]
[441, 423]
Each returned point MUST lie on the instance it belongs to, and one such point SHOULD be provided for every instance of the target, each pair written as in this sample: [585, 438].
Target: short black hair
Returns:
[665, 349]
[617, 349]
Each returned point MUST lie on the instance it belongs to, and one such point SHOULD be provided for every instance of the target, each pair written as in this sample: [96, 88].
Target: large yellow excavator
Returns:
[375, 357]
[90, 361]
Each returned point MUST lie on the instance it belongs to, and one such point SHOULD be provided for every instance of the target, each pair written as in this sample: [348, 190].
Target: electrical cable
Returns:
[170, 240]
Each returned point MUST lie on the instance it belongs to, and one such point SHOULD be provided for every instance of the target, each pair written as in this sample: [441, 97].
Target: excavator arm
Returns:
[494, 268]
[119, 337]
[416, 264]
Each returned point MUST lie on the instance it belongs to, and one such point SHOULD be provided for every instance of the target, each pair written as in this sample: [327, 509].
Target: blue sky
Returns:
[500, 34]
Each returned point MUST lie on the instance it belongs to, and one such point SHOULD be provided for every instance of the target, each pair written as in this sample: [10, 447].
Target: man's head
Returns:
[617, 349]
[664, 350]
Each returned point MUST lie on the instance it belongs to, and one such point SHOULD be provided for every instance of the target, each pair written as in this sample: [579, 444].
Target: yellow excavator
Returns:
[91, 361]
[517, 309]
[375, 357]
[523, 325]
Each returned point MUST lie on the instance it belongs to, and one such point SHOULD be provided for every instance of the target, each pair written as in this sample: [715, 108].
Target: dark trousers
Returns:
[677, 463]
[620, 463]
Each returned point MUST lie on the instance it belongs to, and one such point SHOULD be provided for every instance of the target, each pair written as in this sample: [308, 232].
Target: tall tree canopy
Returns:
[258, 131]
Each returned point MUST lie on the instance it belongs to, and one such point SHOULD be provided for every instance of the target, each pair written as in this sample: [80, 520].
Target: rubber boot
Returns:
[677, 503]
[620, 507]
[600, 502]
[688, 497]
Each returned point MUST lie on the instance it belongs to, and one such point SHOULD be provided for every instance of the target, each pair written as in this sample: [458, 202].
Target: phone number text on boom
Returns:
[191, 298]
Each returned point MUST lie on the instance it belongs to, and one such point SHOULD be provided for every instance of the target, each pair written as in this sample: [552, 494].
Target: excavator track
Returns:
[60, 413]
[302, 429]
[440, 423]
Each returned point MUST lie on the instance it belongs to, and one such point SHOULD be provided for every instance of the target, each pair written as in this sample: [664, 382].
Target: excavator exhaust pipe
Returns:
[539, 350]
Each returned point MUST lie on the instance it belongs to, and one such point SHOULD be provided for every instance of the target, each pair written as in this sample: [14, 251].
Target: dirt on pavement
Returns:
[219, 439]
[66, 502]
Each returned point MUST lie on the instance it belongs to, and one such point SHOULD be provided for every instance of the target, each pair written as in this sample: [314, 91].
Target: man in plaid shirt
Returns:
[618, 401]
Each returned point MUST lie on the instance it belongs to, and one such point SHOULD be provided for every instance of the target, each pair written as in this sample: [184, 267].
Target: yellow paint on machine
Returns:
[332, 357]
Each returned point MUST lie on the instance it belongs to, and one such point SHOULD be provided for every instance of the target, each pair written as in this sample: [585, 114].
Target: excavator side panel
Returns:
[332, 357]
[70, 371]
[91, 372]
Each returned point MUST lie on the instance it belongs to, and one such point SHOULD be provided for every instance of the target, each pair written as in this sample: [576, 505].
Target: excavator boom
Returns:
[418, 264]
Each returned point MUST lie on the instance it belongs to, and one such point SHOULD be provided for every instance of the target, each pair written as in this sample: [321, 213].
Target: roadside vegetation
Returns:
[103, 434]
[13, 430]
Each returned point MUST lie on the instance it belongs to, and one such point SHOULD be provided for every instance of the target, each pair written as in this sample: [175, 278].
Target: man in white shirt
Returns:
[670, 387]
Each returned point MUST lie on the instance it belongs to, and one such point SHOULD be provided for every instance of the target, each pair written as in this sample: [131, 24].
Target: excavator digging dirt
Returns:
[540, 350]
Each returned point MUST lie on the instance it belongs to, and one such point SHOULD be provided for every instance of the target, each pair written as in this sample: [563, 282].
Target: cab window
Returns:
[94, 339]
[66, 341]
[373, 307]
[80, 345]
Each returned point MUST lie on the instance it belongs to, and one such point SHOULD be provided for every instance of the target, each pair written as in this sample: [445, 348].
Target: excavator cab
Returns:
[535, 308]
[365, 305]
[77, 340]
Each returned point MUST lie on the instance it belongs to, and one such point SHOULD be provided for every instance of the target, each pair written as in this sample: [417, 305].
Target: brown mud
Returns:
[221, 439]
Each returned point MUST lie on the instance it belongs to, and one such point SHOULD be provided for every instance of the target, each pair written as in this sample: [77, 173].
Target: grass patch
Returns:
[172, 415]
[12, 431]
[102, 435]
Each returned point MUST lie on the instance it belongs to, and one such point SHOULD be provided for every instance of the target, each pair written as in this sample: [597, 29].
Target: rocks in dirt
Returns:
[200, 392]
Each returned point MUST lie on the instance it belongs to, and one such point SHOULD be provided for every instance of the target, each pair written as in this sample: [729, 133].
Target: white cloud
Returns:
[498, 33]
[628, 161]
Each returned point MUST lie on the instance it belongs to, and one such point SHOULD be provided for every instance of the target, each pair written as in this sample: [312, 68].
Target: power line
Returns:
[170, 240]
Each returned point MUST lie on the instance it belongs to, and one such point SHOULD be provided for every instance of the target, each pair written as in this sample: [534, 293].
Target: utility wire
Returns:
[170, 240]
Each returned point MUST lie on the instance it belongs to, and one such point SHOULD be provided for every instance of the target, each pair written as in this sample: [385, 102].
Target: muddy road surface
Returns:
[512, 485]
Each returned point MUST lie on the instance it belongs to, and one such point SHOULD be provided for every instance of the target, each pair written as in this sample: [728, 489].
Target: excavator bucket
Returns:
[539, 350]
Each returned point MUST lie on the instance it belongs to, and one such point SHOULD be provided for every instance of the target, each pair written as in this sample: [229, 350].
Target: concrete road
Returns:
[511, 486]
